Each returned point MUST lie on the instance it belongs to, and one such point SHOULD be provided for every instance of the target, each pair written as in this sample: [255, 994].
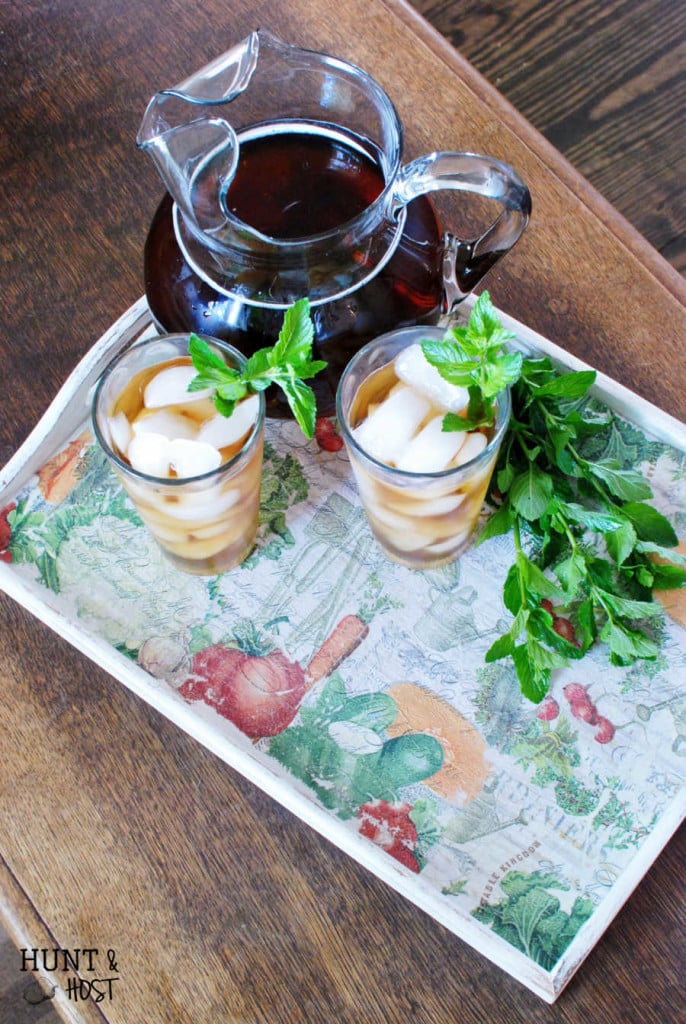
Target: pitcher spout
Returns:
[195, 151]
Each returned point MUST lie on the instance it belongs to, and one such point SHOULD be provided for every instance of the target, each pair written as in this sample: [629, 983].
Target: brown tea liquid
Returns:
[292, 184]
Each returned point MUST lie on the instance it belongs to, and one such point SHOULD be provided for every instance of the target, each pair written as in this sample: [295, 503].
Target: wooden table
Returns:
[118, 831]
[604, 83]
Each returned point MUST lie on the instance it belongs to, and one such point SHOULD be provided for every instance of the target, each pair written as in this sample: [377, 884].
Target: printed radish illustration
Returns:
[389, 826]
[256, 686]
[583, 708]
[549, 709]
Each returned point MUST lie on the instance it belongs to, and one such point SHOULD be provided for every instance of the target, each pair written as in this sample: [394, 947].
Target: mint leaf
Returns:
[620, 543]
[647, 547]
[503, 647]
[591, 519]
[533, 669]
[451, 362]
[294, 345]
[667, 577]
[649, 524]
[531, 492]
[538, 582]
[501, 373]
[571, 572]
[628, 608]
[626, 645]
[626, 484]
[498, 524]
[571, 386]
[302, 404]
[514, 591]
[484, 327]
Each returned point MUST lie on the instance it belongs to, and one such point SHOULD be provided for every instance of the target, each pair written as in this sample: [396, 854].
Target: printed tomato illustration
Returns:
[389, 826]
[257, 687]
[259, 690]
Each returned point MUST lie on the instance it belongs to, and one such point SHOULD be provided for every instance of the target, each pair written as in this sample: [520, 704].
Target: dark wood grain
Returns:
[604, 82]
[116, 829]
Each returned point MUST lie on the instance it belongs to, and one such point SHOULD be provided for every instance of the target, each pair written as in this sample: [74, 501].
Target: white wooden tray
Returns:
[524, 837]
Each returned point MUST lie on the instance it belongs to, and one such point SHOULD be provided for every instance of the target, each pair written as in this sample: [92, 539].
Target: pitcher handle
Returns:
[466, 262]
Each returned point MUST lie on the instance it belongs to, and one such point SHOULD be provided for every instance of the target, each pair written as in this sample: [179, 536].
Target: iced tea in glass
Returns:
[422, 488]
[193, 474]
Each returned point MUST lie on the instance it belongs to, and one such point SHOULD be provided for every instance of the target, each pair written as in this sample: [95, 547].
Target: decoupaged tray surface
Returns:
[523, 834]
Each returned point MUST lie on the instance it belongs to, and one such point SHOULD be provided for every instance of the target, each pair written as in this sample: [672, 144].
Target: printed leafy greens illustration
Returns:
[530, 918]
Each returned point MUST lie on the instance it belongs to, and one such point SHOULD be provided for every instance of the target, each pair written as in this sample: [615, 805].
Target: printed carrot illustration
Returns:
[339, 645]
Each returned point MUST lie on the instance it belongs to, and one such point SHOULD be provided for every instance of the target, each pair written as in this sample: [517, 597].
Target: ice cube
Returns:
[222, 431]
[474, 444]
[149, 453]
[167, 423]
[194, 549]
[120, 432]
[201, 506]
[413, 368]
[170, 387]
[404, 540]
[441, 547]
[431, 507]
[193, 458]
[385, 433]
[389, 517]
[432, 450]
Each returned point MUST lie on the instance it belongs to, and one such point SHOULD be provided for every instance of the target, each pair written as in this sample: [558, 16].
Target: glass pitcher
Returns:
[284, 178]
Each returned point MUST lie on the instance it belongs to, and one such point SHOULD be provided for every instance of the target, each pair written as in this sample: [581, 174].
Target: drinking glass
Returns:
[422, 520]
[205, 524]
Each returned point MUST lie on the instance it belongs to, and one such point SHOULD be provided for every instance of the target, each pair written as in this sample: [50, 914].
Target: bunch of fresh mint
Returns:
[586, 539]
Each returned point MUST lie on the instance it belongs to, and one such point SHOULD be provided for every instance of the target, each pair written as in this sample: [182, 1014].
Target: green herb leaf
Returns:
[649, 548]
[288, 364]
[498, 524]
[590, 519]
[626, 645]
[531, 492]
[667, 577]
[650, 525]
[534, 664]
[571, 386]
[627, 608]
[626, 484]
[621, 542]
[571, 572]
[474, 357]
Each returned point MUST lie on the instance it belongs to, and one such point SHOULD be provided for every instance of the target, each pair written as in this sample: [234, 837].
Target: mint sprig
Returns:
[288, 363]
[475, 357]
